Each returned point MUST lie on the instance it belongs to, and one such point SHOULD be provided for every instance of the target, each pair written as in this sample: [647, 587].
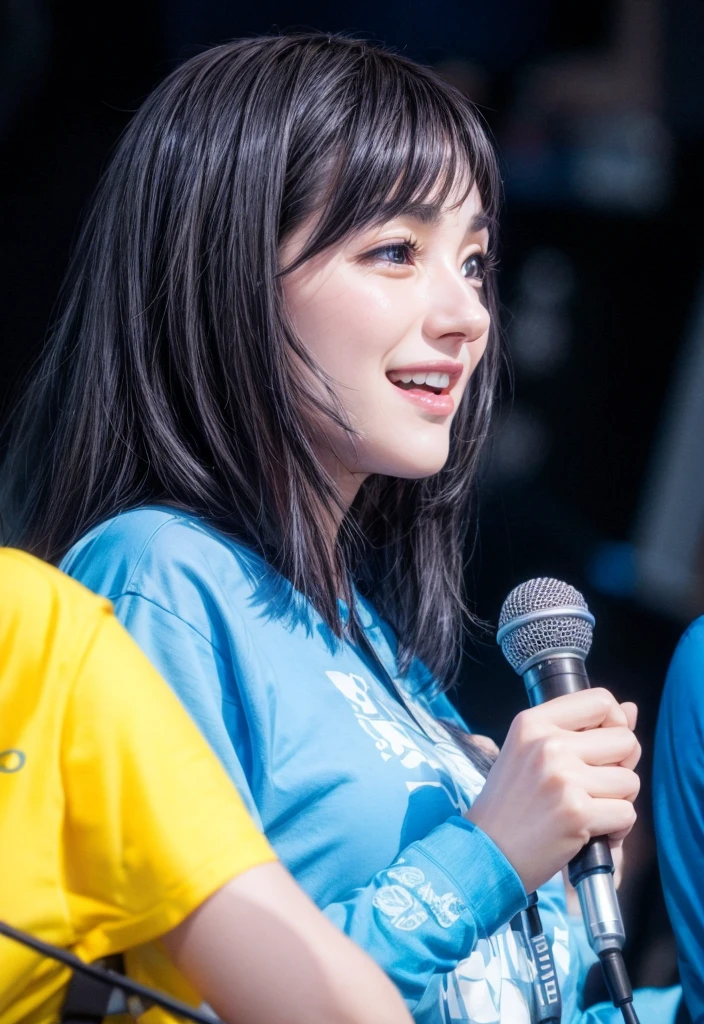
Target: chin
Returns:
[417, 464]
[419, 472]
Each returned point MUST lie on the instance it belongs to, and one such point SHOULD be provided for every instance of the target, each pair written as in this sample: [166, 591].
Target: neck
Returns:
[347, 483]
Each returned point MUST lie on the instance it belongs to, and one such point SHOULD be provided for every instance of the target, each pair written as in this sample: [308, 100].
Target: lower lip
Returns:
[437, 405]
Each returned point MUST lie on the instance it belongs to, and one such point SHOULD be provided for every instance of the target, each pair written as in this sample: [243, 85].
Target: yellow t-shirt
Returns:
[116, 819]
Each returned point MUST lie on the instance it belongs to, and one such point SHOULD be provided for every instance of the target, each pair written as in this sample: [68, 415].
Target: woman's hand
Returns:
[564, 774]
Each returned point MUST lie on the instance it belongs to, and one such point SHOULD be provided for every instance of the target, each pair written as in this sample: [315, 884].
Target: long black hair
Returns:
[173, 375]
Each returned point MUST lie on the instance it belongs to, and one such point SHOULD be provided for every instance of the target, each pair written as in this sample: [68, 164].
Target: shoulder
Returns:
[681, 717]
[37, 591]
[164, 556]
[691, 644]
[685, 677]
[42, 611]
[25, 579]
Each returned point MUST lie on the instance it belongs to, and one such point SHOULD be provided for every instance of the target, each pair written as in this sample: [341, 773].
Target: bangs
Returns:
[401, 137]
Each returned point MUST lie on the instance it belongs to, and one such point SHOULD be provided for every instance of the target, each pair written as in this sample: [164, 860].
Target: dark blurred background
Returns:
[598, 113]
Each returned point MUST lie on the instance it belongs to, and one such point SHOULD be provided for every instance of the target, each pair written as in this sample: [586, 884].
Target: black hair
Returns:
[173, 375]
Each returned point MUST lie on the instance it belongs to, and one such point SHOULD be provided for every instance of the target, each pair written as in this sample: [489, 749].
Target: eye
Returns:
[399, 254]
[475, 267]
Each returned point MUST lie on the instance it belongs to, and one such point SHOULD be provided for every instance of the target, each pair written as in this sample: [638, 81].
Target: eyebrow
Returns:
[429, 214]
[482, 222]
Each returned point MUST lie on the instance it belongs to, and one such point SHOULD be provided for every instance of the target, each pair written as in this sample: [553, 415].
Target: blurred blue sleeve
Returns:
[678, 795]
[653, 1006]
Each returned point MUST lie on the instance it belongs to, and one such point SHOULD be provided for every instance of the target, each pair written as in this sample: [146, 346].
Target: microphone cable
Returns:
[138, 998]
[618, 984]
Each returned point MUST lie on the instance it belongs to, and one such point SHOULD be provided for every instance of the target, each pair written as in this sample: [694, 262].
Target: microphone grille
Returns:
[543, 616]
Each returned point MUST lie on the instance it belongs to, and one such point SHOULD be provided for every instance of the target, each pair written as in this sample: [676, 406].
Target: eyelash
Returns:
[414, 249]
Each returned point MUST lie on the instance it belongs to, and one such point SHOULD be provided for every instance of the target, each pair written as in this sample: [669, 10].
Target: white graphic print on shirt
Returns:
[380, 720]
[493, 984]
[410, 902]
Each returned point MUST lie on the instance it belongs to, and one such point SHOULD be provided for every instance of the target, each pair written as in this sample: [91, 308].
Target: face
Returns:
[396, 316]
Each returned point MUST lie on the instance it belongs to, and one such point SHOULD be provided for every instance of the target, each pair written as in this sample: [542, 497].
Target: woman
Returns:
[117, 833]
[255, 431]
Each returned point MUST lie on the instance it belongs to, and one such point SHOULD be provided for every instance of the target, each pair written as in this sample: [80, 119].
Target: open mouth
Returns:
[433, 383]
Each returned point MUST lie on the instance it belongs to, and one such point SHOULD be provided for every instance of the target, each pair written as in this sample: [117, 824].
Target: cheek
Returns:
[348, 328]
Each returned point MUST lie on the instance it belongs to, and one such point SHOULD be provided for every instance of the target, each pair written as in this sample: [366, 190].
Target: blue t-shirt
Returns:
[678, 793]
[362, 801]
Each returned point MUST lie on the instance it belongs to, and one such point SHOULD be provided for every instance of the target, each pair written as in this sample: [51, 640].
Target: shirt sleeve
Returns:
[153, 826]
[425, 912]
[678, 795]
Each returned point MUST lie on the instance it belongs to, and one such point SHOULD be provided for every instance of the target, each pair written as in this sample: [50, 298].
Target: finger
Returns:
[607, 817]
[617, 746]
[586, 709]
[632, 761]
[610, 783]
[616, 838]
[630, 710]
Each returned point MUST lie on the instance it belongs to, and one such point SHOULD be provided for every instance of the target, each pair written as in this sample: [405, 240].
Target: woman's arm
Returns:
[260, 952]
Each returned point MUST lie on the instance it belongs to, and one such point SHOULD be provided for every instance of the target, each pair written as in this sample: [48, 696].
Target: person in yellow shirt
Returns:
[120, 832]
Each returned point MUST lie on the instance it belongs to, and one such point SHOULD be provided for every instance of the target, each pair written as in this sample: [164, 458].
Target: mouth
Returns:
[436, 378]
[429, 385]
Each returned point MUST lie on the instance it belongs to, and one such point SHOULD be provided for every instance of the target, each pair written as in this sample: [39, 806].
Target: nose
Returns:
[456, 311]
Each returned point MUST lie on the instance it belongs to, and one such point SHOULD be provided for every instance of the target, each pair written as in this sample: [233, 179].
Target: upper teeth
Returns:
[433, 380]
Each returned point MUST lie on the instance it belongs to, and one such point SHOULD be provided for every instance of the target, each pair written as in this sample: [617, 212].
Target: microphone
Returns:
[545, 633]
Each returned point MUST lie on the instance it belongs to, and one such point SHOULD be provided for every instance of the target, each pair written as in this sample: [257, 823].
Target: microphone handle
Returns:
[591, 871]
